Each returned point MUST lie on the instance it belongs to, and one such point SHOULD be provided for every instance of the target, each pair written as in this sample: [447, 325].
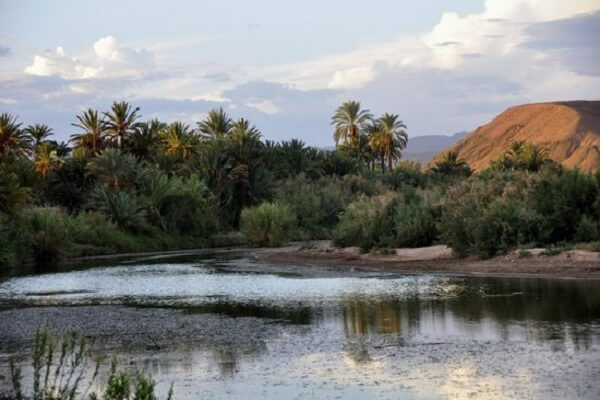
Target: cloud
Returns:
[455, 76]
[572, 42]
[109, 60]
[4, 51]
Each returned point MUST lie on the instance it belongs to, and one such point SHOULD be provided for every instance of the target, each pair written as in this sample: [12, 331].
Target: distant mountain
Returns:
[424, 148]
[570, 130]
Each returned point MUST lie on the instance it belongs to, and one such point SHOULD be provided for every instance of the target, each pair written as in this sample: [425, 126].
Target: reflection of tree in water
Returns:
[545, 309]
[229, 349]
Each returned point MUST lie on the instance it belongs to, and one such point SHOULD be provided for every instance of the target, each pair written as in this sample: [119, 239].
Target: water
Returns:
[224, 327]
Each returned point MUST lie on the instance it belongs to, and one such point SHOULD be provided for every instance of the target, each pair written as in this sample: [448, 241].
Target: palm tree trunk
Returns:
[382, 161]
[389, 162]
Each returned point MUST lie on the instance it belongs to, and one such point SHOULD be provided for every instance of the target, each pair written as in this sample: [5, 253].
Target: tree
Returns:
[179, 140]
[146, 137]
[534, 157]
[93, 128]
[217, 124]
[13, 141]
[349, 121]
[46, 158]
[113, 165]
[38, 133]
[390, 138]
[121, 122]
[450, 165]
[12, 195]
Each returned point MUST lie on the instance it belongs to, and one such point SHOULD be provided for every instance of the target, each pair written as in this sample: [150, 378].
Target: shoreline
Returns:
[578, 264]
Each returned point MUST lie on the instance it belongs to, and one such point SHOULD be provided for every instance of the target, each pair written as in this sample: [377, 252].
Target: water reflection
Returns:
[217, 319]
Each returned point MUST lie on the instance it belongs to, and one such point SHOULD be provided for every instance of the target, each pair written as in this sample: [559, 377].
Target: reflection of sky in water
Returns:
[360, 335]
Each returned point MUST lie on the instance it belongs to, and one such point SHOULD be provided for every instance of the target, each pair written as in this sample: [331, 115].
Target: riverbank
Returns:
[439, 259]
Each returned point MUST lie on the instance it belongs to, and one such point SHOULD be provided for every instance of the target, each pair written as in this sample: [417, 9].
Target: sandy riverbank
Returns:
[439, 259]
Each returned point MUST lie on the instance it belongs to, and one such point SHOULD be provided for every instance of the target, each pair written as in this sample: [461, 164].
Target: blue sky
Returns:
[443, 65]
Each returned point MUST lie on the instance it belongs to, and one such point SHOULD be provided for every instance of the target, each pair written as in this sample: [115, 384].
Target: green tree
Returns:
[13, 141]
[450, 165]
[179, 140]
[114, 166]
[144, 140]
[349, 121]
[46, 158]
[93, 127]
[217, 124]
[38, 133]
[121, 122]
[390, 138]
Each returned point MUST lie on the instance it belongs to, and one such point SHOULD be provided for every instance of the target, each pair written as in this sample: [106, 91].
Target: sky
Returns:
[443, 65]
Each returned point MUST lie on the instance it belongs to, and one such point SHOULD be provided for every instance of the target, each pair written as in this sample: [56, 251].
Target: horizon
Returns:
[444, 67]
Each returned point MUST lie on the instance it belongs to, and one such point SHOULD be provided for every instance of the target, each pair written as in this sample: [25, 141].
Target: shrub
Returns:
[121, 207]
[406, 173]
[503, 226]
[588, 230]
[359, 223]
[44, 231]
[269, 224]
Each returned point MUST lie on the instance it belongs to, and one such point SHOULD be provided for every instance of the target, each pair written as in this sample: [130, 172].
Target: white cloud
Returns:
[109, 60]
[351, 78]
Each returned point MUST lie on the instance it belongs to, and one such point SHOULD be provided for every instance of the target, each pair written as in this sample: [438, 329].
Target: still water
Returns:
[225, 327]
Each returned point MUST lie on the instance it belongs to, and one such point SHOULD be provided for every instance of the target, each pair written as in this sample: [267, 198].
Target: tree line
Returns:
[122, 183]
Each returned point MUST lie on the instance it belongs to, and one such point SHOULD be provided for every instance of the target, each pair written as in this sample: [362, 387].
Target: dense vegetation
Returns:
[124, 184]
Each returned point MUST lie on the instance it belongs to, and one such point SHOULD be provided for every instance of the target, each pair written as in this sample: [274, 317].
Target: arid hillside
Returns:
[570, 131]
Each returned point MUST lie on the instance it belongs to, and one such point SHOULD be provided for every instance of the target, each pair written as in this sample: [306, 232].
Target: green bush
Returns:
[45, 232]
[359, 224]
[588, 230]
[269, 224]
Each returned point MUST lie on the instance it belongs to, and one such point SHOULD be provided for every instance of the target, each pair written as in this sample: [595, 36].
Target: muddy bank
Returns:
[439, 259]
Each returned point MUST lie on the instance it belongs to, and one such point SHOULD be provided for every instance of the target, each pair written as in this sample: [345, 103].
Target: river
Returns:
[222, 326]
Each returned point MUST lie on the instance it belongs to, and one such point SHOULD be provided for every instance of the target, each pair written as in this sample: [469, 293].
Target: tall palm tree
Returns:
[113, 165]
[179, 140]
[217, 124]
[390, 138]
[93, 127]
[349, 121]
[46, 158]
[38, 133]
[13, 141]
[450, 164]
[121, 121]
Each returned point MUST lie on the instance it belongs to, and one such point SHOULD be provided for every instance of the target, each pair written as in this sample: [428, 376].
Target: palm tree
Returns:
[13, 141]
[349, 121]
[145, 138]
[179, 140]
[534, 157]
[450, 164]
[93, 128]
[38, 133]
[114, 166]
[217, 124]
[390, 138]
[46, 158]
[121, 121]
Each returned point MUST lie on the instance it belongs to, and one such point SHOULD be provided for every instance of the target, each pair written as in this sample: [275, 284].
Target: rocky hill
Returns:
[570, 130]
